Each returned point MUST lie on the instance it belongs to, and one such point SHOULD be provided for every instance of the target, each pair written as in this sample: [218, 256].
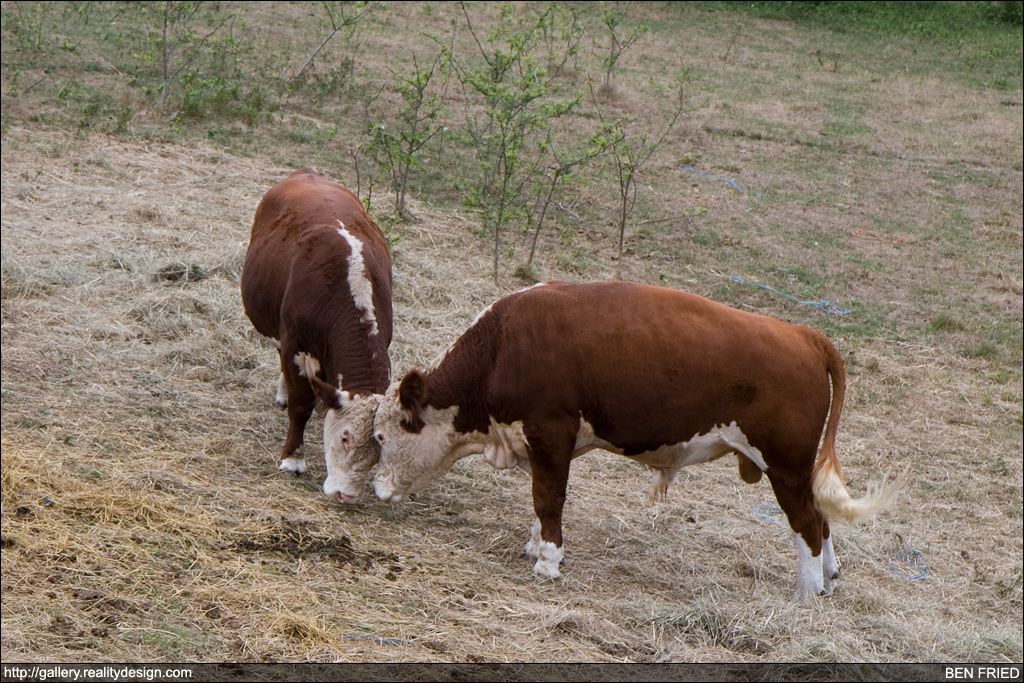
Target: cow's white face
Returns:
[410, 460]
[349, 447]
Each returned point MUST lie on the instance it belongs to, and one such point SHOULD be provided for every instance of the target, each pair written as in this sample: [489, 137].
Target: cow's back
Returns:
[297, 278]
[647, 366]
[294, 243]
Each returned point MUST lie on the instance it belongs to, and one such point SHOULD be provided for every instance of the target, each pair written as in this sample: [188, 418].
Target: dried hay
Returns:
[146, 420]
[137, 399]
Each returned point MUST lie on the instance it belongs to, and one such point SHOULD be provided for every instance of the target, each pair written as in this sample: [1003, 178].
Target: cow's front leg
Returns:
[550, 454]
[546, 539]
[532, 548]
[301, 401]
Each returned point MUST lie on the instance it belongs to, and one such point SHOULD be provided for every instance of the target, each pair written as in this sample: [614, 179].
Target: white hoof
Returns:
[296, 465]
[549, 556]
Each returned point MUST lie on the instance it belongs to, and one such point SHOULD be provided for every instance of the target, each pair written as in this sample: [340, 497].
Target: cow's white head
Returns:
[349, 447]
[417, 443]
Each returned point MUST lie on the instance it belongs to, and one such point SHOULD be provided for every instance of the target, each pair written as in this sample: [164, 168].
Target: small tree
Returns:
[518, 103]
[335, 17]
[563, 163]
[634, 148]
[618, 39]
[560, 32]
[180, 43]
[398, 152]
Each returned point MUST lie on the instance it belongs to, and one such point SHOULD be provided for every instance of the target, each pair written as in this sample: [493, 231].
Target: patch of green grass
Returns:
[864, 321]
[865, 262]
[947, 322]
[173, 641]
[707, 237]
[303, 136]
[979, 43]
[984, 349]
[795, 274]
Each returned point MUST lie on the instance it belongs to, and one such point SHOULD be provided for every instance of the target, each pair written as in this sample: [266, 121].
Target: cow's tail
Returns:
[830, 493]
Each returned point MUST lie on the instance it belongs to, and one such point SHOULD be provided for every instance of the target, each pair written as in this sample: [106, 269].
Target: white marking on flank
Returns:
[308, 366]
[359, 285]
[668, 459]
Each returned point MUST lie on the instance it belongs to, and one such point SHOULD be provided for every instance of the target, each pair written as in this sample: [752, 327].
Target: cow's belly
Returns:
[719, 441]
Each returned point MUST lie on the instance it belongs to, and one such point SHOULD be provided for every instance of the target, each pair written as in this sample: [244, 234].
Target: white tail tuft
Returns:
[833, 499]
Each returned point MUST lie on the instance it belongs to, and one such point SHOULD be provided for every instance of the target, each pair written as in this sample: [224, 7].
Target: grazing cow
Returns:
[317, 283]
[660, 376]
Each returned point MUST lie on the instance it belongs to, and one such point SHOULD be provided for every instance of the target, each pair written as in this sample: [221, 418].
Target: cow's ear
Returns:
[411, 395]
[328, 396]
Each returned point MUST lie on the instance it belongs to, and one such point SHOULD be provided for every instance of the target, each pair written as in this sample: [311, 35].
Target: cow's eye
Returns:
[380, 437]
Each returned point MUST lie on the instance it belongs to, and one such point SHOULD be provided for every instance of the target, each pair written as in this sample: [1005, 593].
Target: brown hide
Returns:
[296, 290]
[645, 366]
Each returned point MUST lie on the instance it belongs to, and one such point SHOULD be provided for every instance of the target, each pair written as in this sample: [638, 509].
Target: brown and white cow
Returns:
[660, 376]
[317, 282]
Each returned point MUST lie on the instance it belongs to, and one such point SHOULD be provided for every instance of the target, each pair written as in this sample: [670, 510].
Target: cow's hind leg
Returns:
[550, 454]
[807, 523]
[829, 562]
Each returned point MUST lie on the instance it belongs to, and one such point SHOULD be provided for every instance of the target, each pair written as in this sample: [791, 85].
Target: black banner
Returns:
[121, 673]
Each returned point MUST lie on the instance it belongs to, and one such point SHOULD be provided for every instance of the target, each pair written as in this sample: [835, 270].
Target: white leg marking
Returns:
[293, 464]
[358, 284]
[281, 400]
[532, 547]
[549, 556]
[829, 566]
[809, 580]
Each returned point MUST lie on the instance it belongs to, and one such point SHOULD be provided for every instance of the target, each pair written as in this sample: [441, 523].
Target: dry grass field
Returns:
[143, 515]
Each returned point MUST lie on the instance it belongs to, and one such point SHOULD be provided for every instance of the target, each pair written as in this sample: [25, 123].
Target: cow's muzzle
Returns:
[385, 491]
[346, 499]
